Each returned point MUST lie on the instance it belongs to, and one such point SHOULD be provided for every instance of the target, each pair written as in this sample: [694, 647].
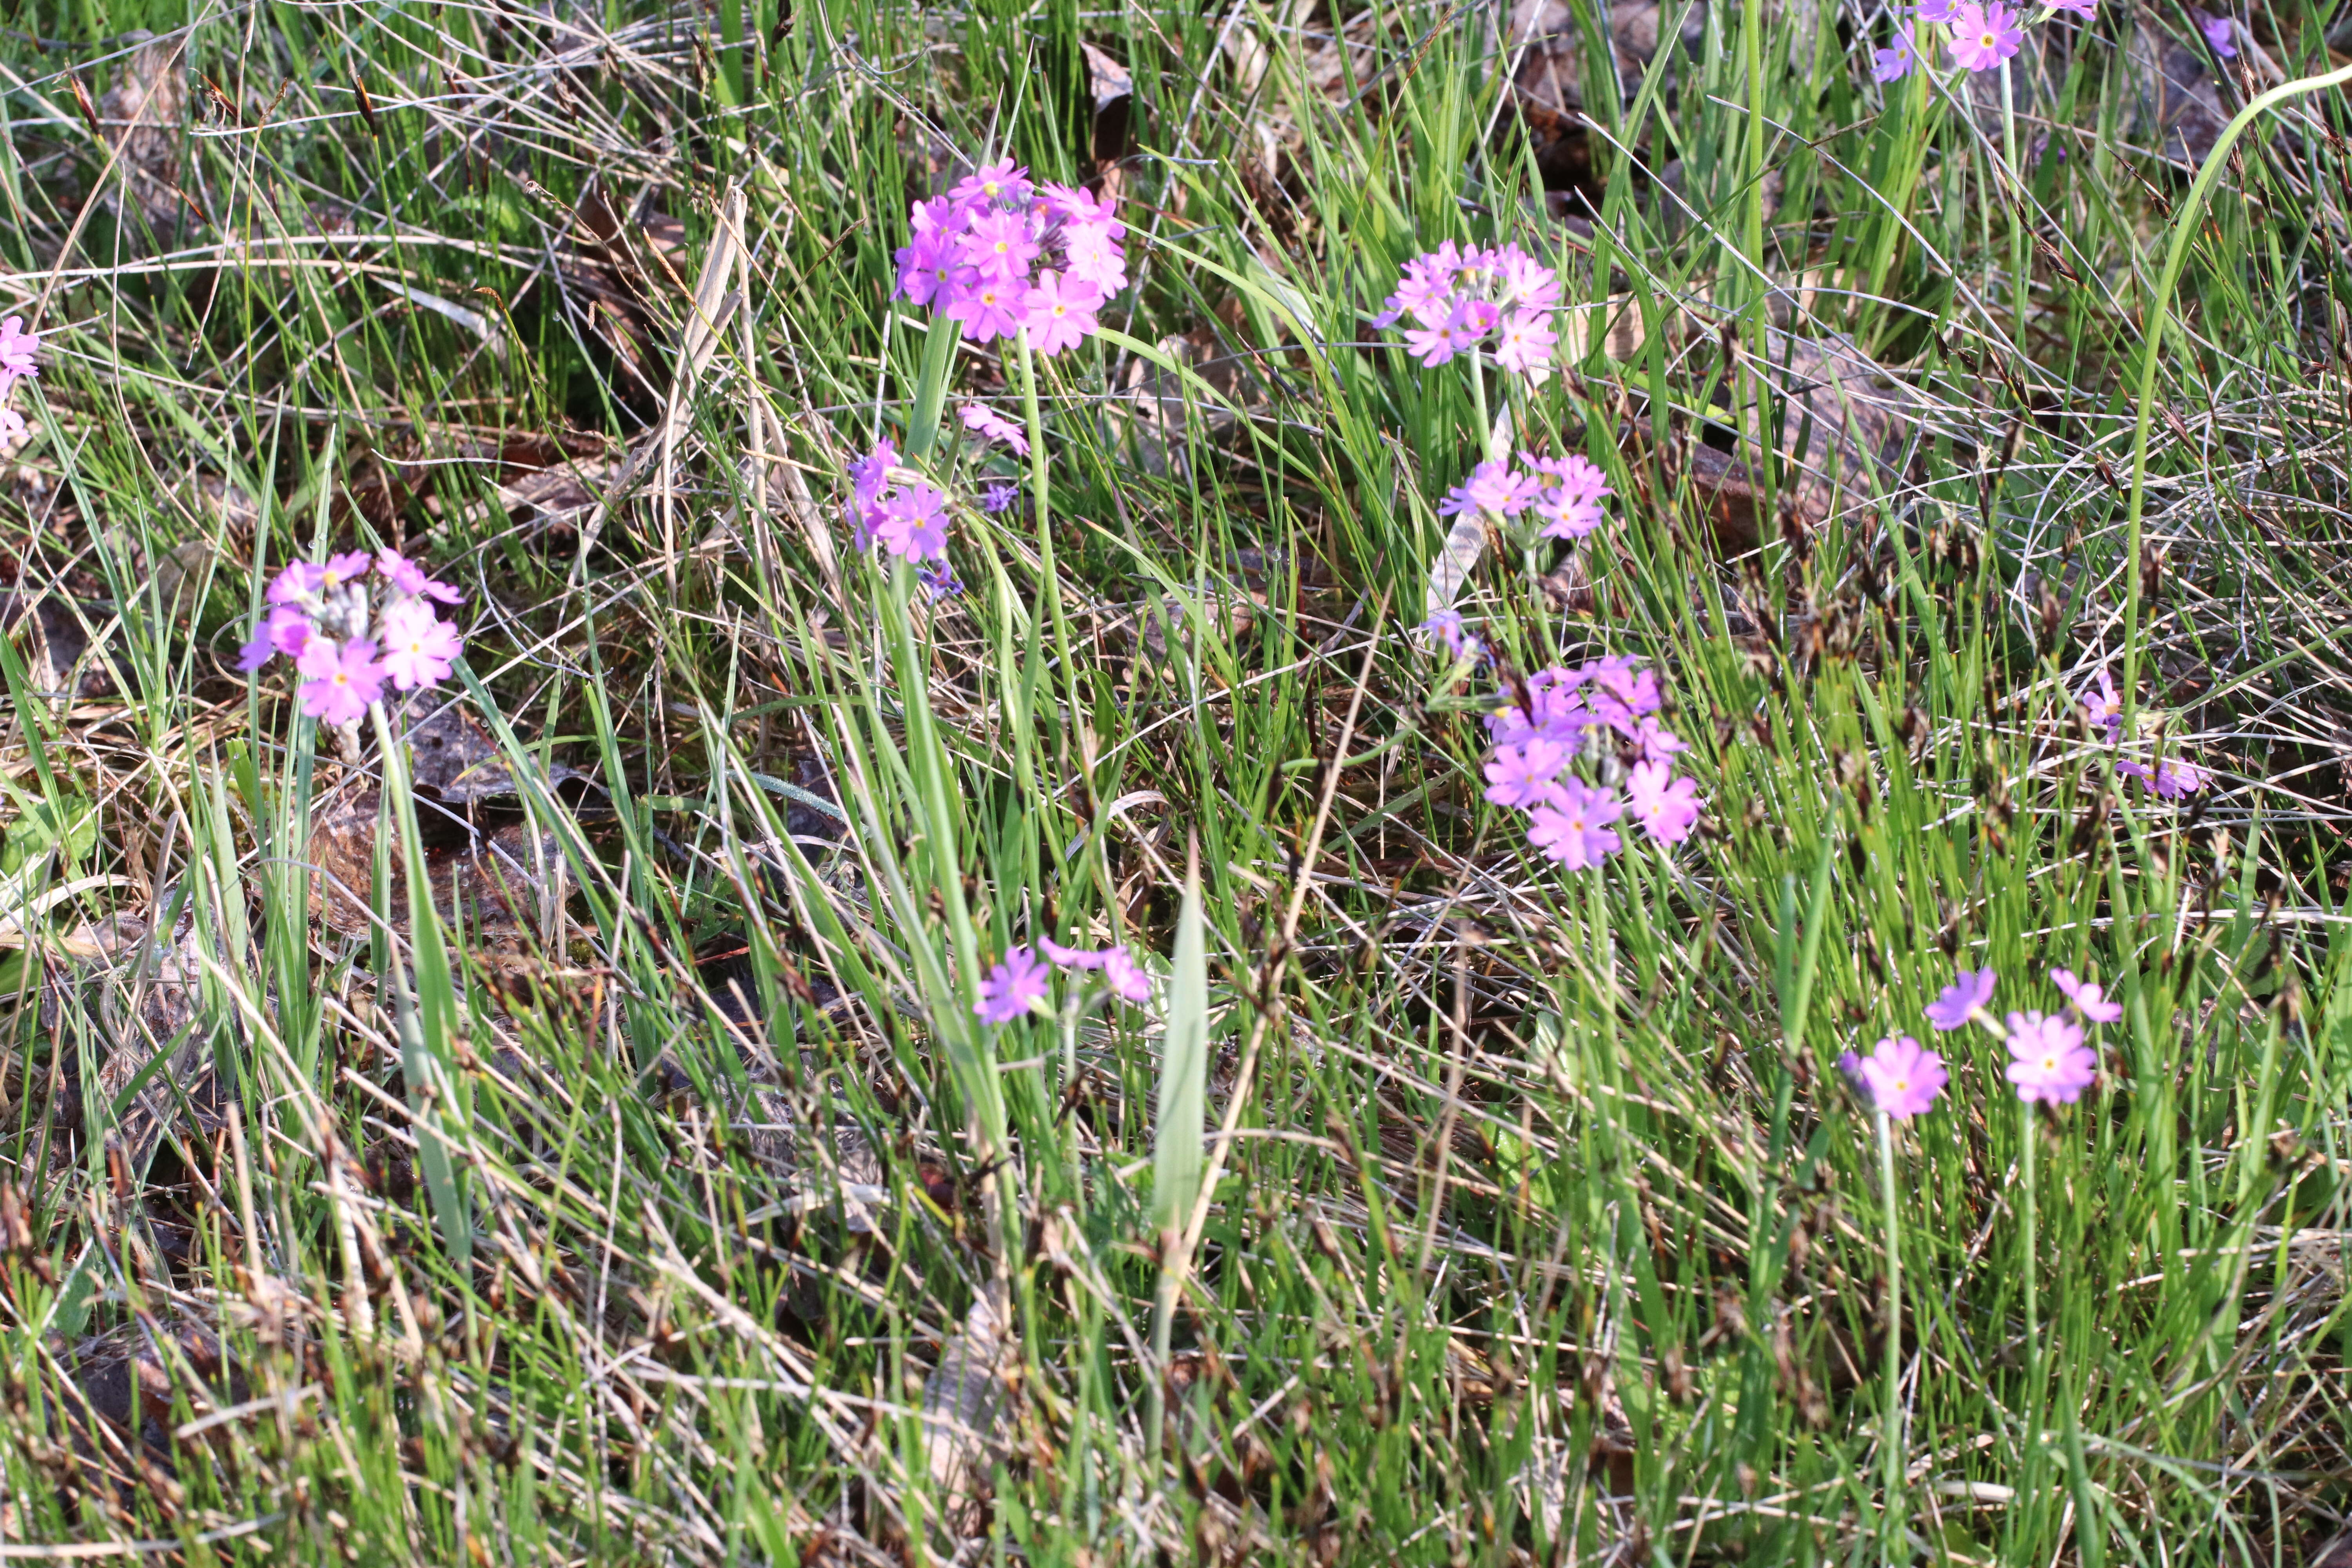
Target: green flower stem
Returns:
[1893, 1446]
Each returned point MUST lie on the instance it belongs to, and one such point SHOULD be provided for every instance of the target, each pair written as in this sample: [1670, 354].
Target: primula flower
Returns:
[939, 581]
[1446, 626]
[2050, 1061]
[927, 267]
[2171, 780]
[1903, 1077]
[1455, 298]
[989, 307]
[340, 681]
[298, 583]
[419, 648]
[2087, 997]
[1956, 1003]
[1060, 312]
[1556, 711]
[1070, 957]
[1895, 62]
[1656, 744]
[1571, 828]
[998, 496]
[13, 426]
[1011, 987]
[1936, 13]
[1570, 508]
[1984, 35]
[2103, 707]
[914, 523]
[2217, 31]
[1522, 775]
[1004, 182]
[869, 476]
[1665, 807]
[1621, 693]
[407, 577]
[1525, 347]
[2086, 9]
[998, 246]
[1493, 485]
[1126, 977]
[988, 424]
[286, 629]
[19, 350]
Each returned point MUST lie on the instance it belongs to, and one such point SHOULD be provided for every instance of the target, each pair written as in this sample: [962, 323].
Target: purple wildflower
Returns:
[1126, 977]
[1446, 626]
[1984, 35]
[1895, 62]
[998, 496]
[1455, 298]
[1494, 486]
[2087, 997]
[1070, 957]
[1011, 988]
[1655, 744]
[419, 648]
[1903, 1077]
[998, 245]
[914, 523]
[2103, 707]
[2218, 33]
[1060, 312]
[2171, 780]
[1572, 827]
[19, 350]
[869, 476]
[1956, 1003]
[1667, 806]
[1937, 13]
[407, 577]
[1525, 347]
[286, 629]
[1522, 775]
[939, 581]
[989, 307]
[340, 682]
[1556, 711]
[2049, 1061]
[991, 426]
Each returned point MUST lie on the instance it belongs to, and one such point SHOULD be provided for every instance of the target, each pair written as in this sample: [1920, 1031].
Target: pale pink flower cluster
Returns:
[1018, 983]
[2173, 778]
[1000, 253]
[1460, 298]
[19, 360]
[319, 617]
[1983, 33]
[1565, 492]
[1561, 716]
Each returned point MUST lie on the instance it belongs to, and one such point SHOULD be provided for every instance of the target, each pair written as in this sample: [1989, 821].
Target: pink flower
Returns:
[1655, 742]
[298, 584]
[914, 523]
[1006, 183]
[1570, 508]
[998, 246]
[1571, 828]
[1011, 988]
[1079, 210]
[2103, 707]
[1092, 258]
[1525, 346]
[1903, 1077]
[2049, 1061]
[13, 426]
[2086, 9]
[1522, 282]
[286, 629]
[1667, 806]
[2171, 780]
[1984, 35]
[991, 426]
[2217, 31]
[1621, 692]
[340, 681]
[1430, 345]
[1555, 711]
[988, 309]
[998, 496]
[419, 648]
[19, 350]
[1938, 12]
[1446, 626]
[1126, 977]
[1894, 63]
[1071, 957]
[869, 476]
[1522, 775]
[1956, 1003]
[2087, 997]
[927, 267]
[1061, 313]
[407, 577]
[1493, 485]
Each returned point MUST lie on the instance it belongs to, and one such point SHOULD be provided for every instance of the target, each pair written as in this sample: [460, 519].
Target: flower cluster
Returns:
[908, 519]
[1561, 714]
[1000, 253]
[1460, 298]
[2103, 710]
[319, 617]
[1565, 492]
[2048, 1060]
[19, 360]
[1983, 33]
[1015, 986]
